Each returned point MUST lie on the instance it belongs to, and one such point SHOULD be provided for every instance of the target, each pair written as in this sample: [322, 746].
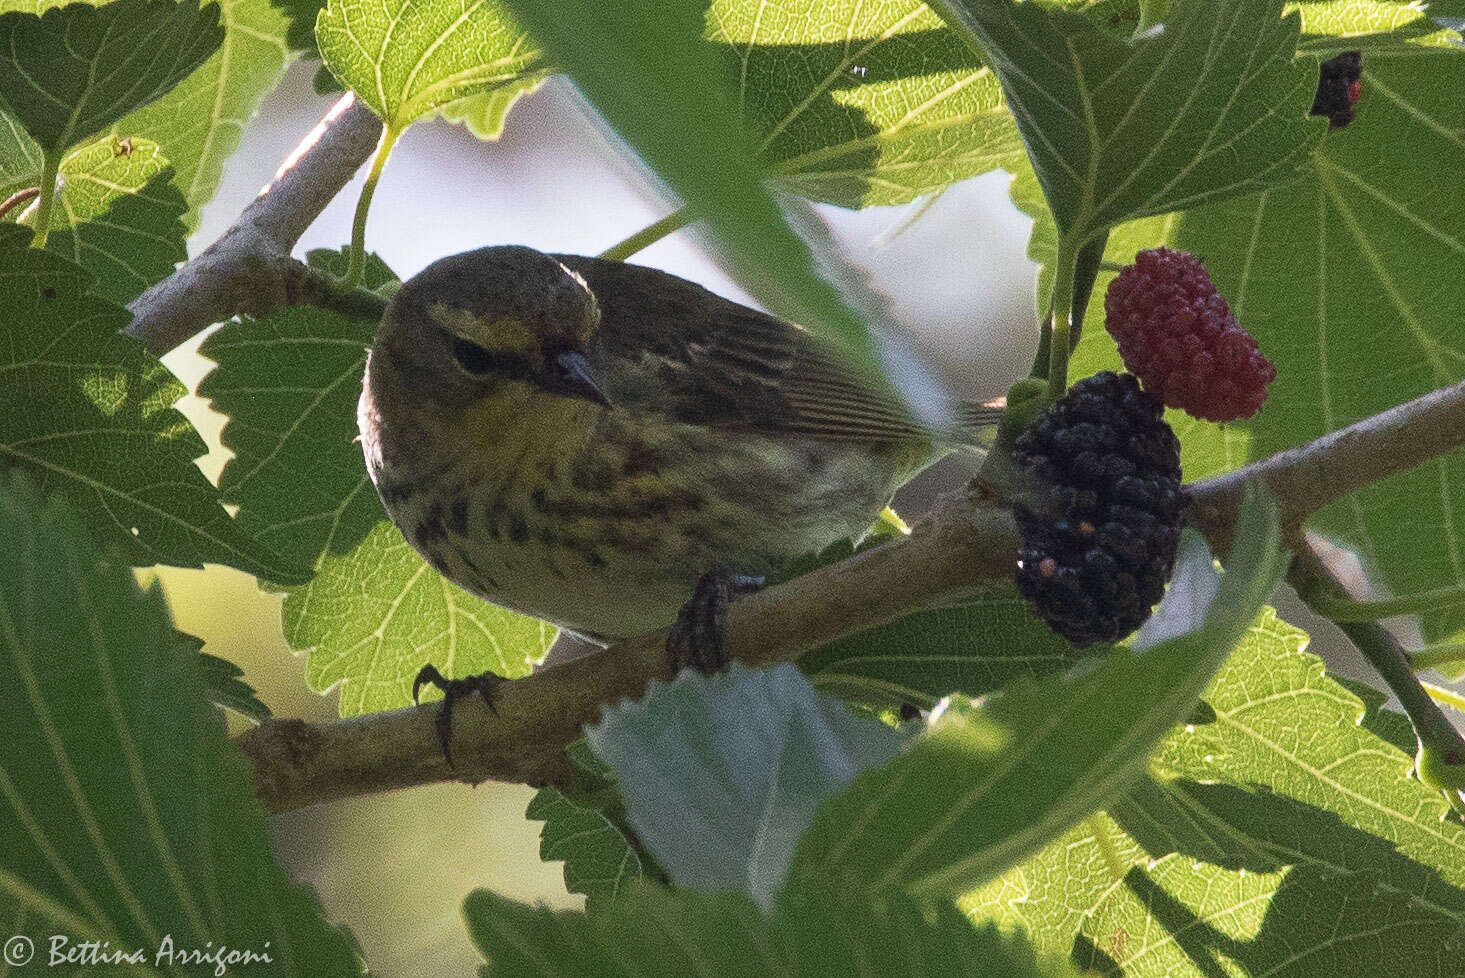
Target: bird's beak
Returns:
[576, 380]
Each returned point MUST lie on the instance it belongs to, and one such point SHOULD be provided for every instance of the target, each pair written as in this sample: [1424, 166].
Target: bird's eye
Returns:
[479, 361]
[472, 357]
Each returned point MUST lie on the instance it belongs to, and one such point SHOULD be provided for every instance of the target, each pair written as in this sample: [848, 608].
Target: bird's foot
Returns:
[696, 640]
[485, 684]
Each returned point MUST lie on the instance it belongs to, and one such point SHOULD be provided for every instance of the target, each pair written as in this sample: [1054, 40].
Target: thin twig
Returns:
[249, 269]
[1347, 609]
[1435, 656]
[16, 199]
[1310, 576]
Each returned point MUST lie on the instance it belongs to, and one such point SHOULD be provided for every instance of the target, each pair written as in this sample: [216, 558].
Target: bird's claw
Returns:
[697, 638]
[485, 684]
[428, 674]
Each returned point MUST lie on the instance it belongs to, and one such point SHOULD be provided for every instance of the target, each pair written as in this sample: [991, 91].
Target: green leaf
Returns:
[1180, 919]
[300, 34]
[119, 216]
[972, 648]
[1250, 827]
[289, 384]
[88, 412]
[722, 773]
[117, 210]
[370, 619]
[674, 933]
[407, 58]
[1383, 27]
[989, 784]
[1286, 788]
[75, 70]
[1285, 768]
[20, 157]
[1211, 107]
[599, 861]
[1357, 256]
[128, 817]
[1175, 917]
[853, 103]
[663, 89]
[860, 103]
[485, 113]
[224, 685]
[200, 122]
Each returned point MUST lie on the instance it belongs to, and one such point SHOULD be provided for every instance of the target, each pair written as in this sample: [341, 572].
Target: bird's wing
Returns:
[678, 348]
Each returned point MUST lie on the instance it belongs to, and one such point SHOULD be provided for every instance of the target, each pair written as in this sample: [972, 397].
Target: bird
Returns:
[614, 449]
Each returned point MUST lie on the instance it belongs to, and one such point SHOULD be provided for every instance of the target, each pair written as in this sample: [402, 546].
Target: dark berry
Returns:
[1099, 525]
[1177, 335]
[1338, 88]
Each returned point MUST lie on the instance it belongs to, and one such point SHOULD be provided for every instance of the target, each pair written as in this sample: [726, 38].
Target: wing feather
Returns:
[670, 345]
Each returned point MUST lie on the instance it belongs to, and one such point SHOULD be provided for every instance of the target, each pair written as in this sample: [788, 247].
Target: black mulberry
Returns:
[1340, 83]
[1099, 504]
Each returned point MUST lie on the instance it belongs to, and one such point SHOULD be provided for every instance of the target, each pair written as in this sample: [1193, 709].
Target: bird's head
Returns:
[468, 325]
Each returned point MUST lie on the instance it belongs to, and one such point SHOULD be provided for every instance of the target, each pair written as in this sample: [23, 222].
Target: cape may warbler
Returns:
[582, 440]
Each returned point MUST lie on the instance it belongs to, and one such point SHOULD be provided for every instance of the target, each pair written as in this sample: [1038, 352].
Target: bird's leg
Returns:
[485, 684]
[696, 640]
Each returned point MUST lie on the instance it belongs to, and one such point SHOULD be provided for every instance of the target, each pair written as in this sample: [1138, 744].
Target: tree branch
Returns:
[249, 269]
[962, 548]
[967, 544]
[1307, 478]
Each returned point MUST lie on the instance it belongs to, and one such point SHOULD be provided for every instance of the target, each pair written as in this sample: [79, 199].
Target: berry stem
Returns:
[356, 263]
[1434, 656]
[648, 235]
[1087, 264]
[23, 196]
[50, 167]
[1342, 609]
[1059, 340]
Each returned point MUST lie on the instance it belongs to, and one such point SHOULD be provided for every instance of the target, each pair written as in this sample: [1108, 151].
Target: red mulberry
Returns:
[1177, 335]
